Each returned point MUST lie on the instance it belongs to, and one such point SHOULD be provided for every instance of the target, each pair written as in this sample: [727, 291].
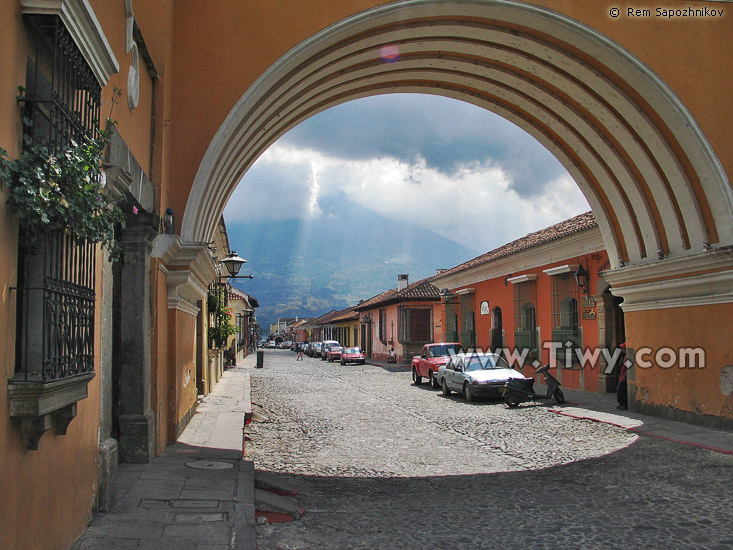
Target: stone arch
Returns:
[653, 181]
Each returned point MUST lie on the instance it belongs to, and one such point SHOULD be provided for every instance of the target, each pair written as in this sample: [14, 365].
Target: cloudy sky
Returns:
[438, 163]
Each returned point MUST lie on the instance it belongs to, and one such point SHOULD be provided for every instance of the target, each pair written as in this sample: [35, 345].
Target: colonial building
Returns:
[541, 298]
[104, 359]
[400, 319]
[342, 326]
[243, 313]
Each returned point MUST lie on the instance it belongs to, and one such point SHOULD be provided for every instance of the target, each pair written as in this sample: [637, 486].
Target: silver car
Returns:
[475, 375]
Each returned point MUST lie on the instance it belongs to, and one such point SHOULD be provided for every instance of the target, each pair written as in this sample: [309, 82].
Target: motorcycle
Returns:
[518, 390]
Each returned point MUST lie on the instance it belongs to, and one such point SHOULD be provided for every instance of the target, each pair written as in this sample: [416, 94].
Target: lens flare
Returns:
[389, 53]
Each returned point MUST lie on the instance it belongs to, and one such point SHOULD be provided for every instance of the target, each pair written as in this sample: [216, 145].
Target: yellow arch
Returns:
[649, 174]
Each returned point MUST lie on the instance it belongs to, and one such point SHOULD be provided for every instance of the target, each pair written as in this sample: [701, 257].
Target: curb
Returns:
[267, 503]
[268, 482]
[245, 535]
[631, 425]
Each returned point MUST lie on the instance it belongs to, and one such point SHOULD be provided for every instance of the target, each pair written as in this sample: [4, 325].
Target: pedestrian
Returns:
[622, 395]
[230, 357]
[299, 349]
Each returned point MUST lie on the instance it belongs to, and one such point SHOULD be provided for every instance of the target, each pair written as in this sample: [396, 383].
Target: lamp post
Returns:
[232, 264]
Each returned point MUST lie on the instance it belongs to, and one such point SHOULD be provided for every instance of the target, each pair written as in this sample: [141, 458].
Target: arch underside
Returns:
[655, 185]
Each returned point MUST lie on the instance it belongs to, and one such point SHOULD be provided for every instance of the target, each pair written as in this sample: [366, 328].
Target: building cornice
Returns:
[83, 26]
[190, 270]
[577, 244]
[697, 280]
[522, 278]
[557, 270]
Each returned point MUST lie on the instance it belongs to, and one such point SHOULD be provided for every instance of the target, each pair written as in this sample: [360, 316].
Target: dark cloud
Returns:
[446, 134]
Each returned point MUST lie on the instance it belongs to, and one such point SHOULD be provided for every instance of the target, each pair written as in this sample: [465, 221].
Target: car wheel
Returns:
[415, 378]
[433, 381]
[444, 386]
[558, 395]
[468, 393]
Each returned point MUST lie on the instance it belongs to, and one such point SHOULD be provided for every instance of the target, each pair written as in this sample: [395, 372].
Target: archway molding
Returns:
[653, 181]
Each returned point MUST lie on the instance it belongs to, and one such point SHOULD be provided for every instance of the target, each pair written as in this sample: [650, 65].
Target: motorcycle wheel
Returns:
[558, 395]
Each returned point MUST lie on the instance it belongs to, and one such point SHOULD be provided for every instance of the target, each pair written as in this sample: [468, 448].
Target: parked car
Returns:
[327, 344]
[426, 364]
[315, 350]
[352, 355]
[333, 353]
[476, 375]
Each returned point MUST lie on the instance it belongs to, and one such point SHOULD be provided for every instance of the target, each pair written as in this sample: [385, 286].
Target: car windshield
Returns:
[352, 350]
[445, 350]
[486, 362]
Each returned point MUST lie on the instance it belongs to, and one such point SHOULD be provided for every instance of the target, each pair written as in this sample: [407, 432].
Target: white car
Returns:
[476, 374]
[327, 344]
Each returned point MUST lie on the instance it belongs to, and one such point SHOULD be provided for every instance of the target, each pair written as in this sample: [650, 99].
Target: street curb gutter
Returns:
[247, 399]
[245, 535]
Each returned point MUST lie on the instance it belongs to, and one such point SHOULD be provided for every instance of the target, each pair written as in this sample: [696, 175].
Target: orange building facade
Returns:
[526, 301]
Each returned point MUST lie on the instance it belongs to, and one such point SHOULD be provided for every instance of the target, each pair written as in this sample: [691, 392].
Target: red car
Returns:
[352, 355]
[333, 353]
[433, 356]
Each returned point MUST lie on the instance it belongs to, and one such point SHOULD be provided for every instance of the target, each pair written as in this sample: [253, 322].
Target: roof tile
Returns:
[576, 224]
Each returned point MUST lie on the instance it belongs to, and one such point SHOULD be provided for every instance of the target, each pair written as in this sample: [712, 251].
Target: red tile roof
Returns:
[576, 224]
[378, 299]
[347, 314]
[421, 290]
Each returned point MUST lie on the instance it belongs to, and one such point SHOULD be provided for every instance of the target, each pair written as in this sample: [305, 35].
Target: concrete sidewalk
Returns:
[601, 407]
[199, 494]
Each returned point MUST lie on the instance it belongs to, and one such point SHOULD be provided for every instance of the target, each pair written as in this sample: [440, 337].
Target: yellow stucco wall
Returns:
[184, 375]
[48, 495]
[698, 390]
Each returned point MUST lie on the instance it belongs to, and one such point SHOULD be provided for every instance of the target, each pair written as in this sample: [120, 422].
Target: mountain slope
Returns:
[306, 268]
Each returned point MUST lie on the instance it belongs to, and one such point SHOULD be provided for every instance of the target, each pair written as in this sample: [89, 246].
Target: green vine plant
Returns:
[51, 192]
[221, 327]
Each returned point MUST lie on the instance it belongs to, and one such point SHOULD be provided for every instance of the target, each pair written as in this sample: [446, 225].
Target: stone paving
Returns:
[382, 463]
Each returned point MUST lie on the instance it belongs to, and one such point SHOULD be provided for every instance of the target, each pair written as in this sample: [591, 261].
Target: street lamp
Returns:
[581, 278]
[446, 296]
[232, 264]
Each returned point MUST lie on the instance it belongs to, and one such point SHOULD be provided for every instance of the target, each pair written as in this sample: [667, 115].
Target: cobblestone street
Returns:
[382, 463]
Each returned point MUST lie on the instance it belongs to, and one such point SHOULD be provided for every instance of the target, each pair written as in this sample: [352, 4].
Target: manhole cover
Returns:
[209, 465]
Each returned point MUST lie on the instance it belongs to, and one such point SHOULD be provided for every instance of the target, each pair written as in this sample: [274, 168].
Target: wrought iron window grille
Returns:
[56, 280]
[566, 317]
[525, 316]
[414, 325]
